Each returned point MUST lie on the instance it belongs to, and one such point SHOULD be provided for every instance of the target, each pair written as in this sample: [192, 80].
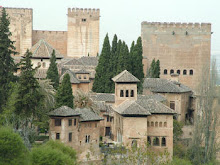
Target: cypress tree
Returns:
[52, 72]
[28, 97]
[7, 65]
[154, 71]
[137, 63]
[102, 82]
[158, 69]
[64, 95]
[131, 58]
[121, 58]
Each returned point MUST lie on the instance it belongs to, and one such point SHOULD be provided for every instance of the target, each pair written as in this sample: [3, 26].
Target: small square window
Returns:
[132, 93]
[121, 93]
[57, 122]
[84, 77]
[127, 93]
[70, 122]
[74, 122]
[83, 20]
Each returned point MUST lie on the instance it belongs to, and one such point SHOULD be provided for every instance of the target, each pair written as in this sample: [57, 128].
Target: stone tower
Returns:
[21, 22]
[181, 48]
[83, 32]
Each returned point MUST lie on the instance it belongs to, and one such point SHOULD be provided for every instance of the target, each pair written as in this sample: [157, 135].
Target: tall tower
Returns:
[83, 32]
[181, 48]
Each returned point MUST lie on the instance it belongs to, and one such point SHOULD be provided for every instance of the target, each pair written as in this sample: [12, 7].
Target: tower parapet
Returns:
[83, 12]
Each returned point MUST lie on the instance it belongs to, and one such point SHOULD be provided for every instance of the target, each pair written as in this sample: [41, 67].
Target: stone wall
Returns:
[83, 32]
[21, 22]
[57, 39]
[178, 46]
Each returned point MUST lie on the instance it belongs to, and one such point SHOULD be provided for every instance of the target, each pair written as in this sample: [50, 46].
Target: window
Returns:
[156, 124]
[134, 143]
[70, 122]
[148, 124]
[132, 93]
[191, 72]
[108, 119]
[74, 122]
[57, 136]
[165, 71]
[83, 20]
[172, 105]
[127, 93]
[79, 77]
[149, 140]
[178, 71]
[165, 124]
[156, 141]
[160, 124]
[171, 71]
[184, 72]
[163, 142]
[39, 64]
[44, 64]
[152, 124]
[87, 138]
[57, 122]
[84, 77]
[70, 136]
[121, 93]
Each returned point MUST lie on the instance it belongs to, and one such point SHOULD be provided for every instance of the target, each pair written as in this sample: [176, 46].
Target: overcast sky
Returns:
[124, 17]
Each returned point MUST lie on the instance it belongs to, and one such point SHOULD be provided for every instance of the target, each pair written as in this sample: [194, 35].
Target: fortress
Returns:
[81, 38]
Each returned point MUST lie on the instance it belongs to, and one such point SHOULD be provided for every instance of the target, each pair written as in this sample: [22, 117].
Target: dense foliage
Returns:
[64, 95]
[115, 59]
[154, 70]
[7, 65]
[52, 72]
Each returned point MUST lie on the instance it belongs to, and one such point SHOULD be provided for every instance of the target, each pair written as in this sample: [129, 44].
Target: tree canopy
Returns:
[154, 70]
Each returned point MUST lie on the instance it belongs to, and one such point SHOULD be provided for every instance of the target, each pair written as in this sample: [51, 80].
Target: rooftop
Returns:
[72, 75]
[125, 76]
[164, 86]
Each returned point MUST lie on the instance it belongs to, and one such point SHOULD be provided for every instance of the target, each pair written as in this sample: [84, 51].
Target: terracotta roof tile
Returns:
[125, 76]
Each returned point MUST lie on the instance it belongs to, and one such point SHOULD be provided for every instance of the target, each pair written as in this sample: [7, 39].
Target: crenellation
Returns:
[49, 32]
[83, 12]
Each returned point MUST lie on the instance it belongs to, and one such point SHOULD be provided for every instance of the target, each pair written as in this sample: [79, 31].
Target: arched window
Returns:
[127, 93]
[152, 124]
[149, 140]
[178, 71]
[165, 124]
[39, 64]
[134, 143]
[171, 71]
[160, 124]
[191, 72]
[44, 64]
[156, 124]
[165, 71]
[163, 142]
[184, 72]
[132, 93]
[121, 93]
[148, 124]
[156, 141]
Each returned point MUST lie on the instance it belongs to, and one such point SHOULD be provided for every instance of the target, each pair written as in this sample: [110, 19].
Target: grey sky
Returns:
[124, 17]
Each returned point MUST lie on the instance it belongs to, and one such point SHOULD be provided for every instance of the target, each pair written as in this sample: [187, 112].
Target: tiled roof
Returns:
[41, 73]
[64, 111]
[43, 50]
[84, 113]
[82, 71]
[73, 78]
[157, 97]
[89, 61]
[125, 76]
[164, 86]
[108, 97]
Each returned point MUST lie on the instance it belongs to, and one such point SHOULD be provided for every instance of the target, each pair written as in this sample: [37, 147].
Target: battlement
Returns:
[18, 10]
[83, 12]
[49, 32]
[178, 25]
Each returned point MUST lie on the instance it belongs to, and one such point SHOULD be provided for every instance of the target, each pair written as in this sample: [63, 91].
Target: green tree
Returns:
[154, 70]
[131, 57]
[158, 69]
[102, 82]
[53, 153]
[28, 97]
[12, 150]
[52, 72]
[7, 65]
[64, 95]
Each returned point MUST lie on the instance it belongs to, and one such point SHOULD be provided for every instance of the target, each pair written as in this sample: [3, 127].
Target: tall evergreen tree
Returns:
[102, 82]
[154, 70]
[158, 69]
[137, 63]
[7, 65]
[28, 97]
[52, 72]
[64, 95]
[131, 58]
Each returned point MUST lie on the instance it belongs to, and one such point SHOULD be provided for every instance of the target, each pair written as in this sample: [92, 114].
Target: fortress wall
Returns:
[178, 46]
[57, 39]
[83, 32]
[21, 23]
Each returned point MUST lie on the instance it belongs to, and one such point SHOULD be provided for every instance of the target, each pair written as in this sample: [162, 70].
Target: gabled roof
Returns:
[82, 71]
[125, 76]
[73, 78]
[164, 86]
[43, 50]
[84, 113]
[64, 111]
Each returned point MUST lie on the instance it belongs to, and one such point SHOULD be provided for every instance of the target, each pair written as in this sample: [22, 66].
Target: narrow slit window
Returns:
[132, 93]
[70, 122]
[121, 93]
[191, 72]
[127, 93]
[156, 141]
[57, 136]
[163, 142]
[70, 137]
[74, 122]
[165, 71]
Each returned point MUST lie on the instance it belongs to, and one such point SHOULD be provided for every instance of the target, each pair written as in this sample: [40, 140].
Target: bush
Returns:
[177, 161]
[53, 153]
[12, 148]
